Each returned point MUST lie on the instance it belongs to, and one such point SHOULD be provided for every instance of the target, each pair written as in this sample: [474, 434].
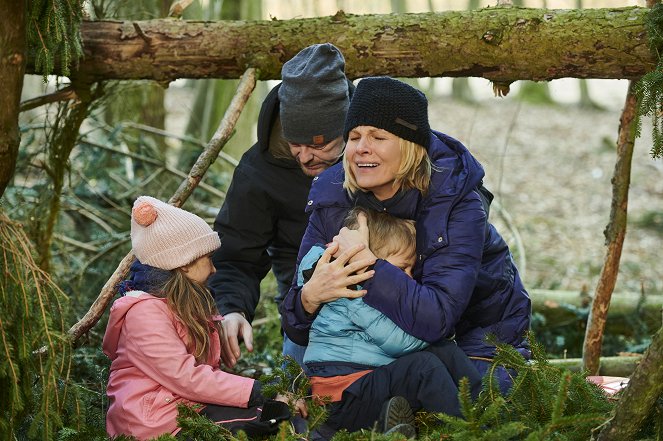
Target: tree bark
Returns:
[12, 69]
[501, 44]
[644, 388]
[615, 233]
[610, 366]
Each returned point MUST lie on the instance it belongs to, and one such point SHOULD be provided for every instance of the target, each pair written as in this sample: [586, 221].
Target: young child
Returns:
[163, 334]
[348, 338]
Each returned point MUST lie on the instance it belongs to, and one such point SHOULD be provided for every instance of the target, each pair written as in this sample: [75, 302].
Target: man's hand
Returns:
[330, 280]
[234, 326]
[299, 405]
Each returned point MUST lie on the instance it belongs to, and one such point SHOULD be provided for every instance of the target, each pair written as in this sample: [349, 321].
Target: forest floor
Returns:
[550, 168]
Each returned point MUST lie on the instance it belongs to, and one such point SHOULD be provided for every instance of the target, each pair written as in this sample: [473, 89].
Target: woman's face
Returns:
[200, 269]
[374, 156]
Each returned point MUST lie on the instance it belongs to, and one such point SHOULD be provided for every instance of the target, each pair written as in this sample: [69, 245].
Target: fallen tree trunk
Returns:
[566, 307]
[502, 44]
[609, 366]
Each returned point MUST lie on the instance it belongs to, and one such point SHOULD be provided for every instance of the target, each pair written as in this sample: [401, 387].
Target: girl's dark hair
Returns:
[194, 306]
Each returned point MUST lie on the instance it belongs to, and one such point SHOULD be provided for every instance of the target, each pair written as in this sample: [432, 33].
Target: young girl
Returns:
[163, 334]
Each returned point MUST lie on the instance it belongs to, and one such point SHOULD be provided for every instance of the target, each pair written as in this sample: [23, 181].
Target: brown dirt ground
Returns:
[550, 168]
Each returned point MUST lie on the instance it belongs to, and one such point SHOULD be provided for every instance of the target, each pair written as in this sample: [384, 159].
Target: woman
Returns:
[465, 283]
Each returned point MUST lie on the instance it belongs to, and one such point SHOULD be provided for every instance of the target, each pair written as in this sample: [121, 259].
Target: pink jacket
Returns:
[152, 371]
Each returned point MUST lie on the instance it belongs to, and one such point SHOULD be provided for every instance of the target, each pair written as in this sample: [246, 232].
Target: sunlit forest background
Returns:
[548, 150]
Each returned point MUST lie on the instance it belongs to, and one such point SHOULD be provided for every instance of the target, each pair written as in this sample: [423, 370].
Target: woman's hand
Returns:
[347, 238]
[330, 280]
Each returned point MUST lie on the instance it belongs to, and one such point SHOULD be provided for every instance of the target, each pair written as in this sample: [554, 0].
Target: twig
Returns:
[149, 129]
[171, 170]
[76, 243]
[178, 7]
[206, 158]
[68, 93]
[615, 233]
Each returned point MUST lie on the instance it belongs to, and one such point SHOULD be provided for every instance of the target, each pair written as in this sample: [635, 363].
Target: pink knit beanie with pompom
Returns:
[168, 237]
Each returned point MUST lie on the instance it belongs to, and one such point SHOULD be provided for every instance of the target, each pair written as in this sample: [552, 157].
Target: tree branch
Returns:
[500, 44]
[68, 93]
[206, 158]
[614, 235]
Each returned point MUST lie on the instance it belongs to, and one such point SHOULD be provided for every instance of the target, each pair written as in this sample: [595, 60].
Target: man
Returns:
[262, 220]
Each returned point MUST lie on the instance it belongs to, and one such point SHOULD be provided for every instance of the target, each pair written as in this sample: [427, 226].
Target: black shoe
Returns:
[396, 412]
[407, 430]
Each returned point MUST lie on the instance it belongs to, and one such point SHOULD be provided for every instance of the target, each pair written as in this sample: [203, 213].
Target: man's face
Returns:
[314, 159]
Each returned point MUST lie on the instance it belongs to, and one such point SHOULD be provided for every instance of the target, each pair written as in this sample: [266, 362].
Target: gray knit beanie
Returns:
[391, 105]
[168, 237]
[314, 95]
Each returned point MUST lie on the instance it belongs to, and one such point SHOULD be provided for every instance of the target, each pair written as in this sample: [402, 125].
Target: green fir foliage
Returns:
[53, 33]
[289, 379]
[35, 360]
[649, 90]
[544, 403]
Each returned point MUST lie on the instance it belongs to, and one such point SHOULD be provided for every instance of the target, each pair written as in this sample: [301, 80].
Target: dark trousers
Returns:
[256, 421]
[458, 364]
[421, 378]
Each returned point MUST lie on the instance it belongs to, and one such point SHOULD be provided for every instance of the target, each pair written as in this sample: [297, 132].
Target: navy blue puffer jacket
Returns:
[465, 281]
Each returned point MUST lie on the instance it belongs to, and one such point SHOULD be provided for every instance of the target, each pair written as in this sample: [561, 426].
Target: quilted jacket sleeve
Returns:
[383, 332]
[156, 348]
[295, 321]
[431, 308]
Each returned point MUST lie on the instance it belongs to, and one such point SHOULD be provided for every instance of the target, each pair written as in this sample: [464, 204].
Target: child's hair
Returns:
[194, 306]
[388, 234]
[169, 238]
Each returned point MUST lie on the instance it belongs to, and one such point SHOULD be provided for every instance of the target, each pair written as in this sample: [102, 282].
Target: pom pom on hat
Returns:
[168, 237]
[144, 213]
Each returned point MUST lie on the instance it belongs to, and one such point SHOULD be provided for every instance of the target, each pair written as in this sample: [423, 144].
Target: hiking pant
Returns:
[255, 421]
[458, 364]
[421, 378]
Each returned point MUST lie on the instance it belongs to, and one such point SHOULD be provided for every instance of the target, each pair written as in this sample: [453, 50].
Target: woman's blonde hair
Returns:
[414, 170]
[387, 234]
[194, 306]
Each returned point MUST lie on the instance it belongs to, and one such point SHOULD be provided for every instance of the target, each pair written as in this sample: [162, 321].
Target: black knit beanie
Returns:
[390, 105]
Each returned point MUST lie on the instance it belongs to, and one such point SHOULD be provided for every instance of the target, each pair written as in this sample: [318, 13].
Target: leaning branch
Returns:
[614, 235]
[206, 158]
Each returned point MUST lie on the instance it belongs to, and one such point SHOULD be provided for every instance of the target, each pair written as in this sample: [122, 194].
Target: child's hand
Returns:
[299, 405]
